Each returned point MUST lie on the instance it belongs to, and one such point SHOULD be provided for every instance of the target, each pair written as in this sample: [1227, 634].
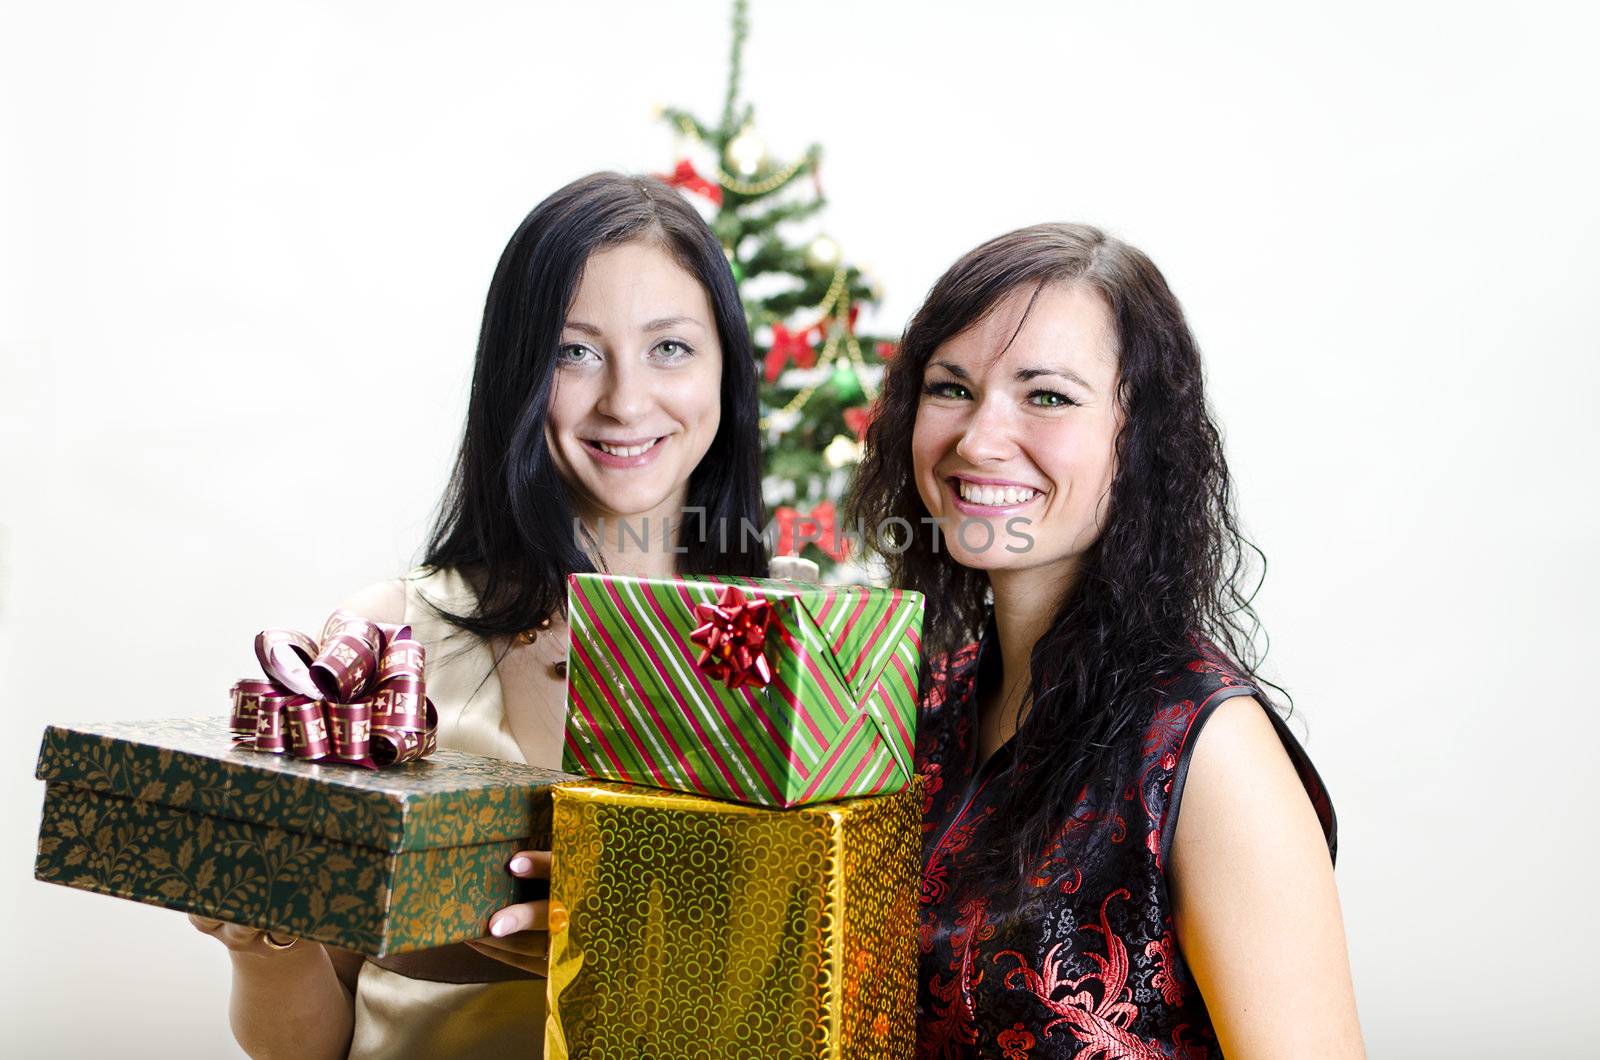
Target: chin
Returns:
[993, 559]
[631, 507]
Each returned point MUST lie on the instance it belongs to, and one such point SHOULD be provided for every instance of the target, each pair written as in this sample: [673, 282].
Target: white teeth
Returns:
[624, 450]
[995, 496]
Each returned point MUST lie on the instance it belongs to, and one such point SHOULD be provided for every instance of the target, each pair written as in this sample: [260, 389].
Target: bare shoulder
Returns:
[383, 601]
[1241, 785]
[1254, 898]
[1236, 724]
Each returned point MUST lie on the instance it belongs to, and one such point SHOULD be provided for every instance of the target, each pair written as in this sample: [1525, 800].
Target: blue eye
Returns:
[572, 353]
[946, 390]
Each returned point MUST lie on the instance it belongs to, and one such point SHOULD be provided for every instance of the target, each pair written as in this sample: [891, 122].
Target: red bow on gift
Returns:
[788, 344]
[684, 176]
[824, 517]
[733, 632]
[357, 696]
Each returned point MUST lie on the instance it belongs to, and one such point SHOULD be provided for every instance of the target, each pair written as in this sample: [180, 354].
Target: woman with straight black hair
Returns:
[611, 426]
[1044, 432]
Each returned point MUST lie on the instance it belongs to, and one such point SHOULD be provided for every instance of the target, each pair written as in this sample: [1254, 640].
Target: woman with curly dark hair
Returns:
[1044, 468]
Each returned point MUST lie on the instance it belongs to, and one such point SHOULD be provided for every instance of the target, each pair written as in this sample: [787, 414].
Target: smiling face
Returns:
[638, 384]
[1024, 434]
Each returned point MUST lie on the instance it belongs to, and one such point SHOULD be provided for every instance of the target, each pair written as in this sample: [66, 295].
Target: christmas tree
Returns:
[803, 299]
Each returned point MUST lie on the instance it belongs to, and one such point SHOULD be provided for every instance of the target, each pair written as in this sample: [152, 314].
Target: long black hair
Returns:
[506, 519]
[1166, 570]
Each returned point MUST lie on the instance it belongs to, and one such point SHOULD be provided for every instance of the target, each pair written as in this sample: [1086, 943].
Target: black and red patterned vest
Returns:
[1090, 968]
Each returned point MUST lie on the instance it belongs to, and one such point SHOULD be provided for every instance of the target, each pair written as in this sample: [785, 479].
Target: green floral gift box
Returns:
[169, 813]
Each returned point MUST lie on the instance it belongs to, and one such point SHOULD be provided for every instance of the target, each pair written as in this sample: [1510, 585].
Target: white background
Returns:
[243, 251]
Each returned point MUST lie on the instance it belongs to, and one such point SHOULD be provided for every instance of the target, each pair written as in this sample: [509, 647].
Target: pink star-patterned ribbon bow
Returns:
[356, 695]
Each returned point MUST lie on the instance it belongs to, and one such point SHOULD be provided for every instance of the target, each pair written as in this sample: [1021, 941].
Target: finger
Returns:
[530, 864]
[536, 962]
[526, 944]
[525, 916]
[232, 935]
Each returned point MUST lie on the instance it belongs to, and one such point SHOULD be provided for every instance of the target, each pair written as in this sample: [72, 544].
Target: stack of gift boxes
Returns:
[741, 879]
[736, 841]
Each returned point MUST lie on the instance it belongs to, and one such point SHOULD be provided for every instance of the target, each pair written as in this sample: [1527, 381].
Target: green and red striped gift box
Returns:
[837, 720]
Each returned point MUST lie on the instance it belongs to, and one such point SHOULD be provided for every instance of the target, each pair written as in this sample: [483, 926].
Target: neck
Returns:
[1025, 603]
[642, 545]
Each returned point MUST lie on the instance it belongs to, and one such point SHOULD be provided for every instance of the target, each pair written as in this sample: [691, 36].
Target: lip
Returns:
[976, 481]
[605, 459]
[645, 440]
[966, 507]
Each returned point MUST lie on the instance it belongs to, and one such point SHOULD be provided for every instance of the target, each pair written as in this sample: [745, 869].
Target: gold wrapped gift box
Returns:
[686, 927]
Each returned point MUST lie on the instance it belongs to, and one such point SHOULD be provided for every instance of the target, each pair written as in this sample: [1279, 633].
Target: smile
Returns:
[624, 452]
[985, 498]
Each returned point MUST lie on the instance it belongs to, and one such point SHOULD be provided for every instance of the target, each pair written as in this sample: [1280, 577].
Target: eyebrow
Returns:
[658, 324]
[1024, 374]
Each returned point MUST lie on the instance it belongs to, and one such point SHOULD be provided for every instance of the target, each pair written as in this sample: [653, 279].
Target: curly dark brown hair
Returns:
[1167, 568]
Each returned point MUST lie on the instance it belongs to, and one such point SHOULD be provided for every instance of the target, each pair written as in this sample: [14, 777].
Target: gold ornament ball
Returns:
[746, 153]
[823, 253]
[874, 288]
[842, 452]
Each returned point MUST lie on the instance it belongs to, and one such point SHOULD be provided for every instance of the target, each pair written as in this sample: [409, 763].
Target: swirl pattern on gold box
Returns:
[687, 927]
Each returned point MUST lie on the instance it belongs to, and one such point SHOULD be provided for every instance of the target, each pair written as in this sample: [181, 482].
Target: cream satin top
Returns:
[397, 1016]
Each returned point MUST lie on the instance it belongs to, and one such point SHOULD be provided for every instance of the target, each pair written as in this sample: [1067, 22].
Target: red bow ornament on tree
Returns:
[733, 632]
[859, 417]
[849, 320]
[356, 696]
[788, 344]
[824, 517]
[685, 177]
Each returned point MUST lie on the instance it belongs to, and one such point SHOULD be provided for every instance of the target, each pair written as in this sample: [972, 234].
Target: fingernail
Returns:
[521, 864]
[500, 926]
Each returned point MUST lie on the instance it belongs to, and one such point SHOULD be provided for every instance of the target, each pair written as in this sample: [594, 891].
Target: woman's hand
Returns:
[519, 934]
[240, 939]
[291, 997]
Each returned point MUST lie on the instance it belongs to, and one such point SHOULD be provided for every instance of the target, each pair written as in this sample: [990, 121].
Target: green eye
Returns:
[946, 390]
[673, 350]
[572, 353]
[1050, 399]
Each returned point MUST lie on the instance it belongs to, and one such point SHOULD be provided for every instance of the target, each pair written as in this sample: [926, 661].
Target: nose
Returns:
[625, 397]
[988, 437]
